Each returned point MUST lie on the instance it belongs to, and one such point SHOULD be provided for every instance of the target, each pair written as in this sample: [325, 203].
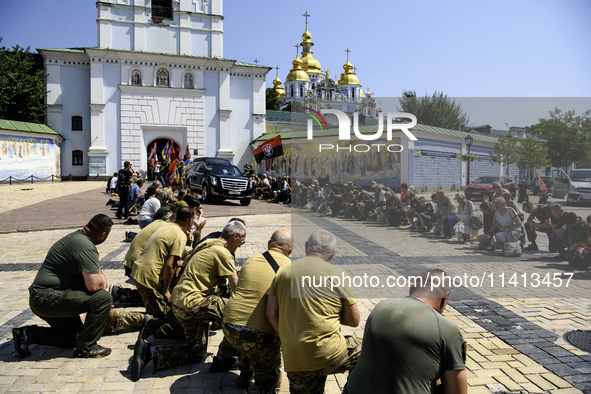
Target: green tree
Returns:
[506, 151]
[532, 154]
[22, 88]
[567, 136]
[272, 100]
[294, 106]
[436, 110]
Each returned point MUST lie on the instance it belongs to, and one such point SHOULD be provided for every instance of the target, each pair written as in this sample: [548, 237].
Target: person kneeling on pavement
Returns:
[194, 304]
[245, 324]
[544, 216]
[68, 284]
[577, 253]
[309, 322]
[409, 347]
[446, 213]
[507, 223]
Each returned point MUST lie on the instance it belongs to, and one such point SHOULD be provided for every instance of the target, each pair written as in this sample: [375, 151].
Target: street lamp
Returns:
[469, 140]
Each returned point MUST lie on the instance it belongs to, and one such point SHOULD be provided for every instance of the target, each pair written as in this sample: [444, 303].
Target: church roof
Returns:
[371, 129]
[82, 50]
[28, 127]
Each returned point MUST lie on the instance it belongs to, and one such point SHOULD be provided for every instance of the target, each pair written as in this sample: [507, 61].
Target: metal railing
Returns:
[32, 178]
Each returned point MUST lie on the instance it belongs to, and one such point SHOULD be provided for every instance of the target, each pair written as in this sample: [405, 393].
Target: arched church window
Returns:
[291, 91]
[352, 93]
[162, 77]
[161, 9]
[188, 81]
[136, 78]
[301, 91]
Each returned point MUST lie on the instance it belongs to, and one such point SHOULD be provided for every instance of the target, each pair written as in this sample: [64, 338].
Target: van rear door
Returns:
[560, 183]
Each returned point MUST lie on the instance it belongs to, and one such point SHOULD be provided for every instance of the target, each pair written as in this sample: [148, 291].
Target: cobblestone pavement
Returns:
[73, 204]
[514, 333]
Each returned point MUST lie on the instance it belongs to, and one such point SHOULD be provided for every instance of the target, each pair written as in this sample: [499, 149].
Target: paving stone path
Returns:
[515, 333]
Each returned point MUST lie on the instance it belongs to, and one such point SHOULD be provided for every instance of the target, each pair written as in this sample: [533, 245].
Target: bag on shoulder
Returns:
[477, 222]
[122, 180]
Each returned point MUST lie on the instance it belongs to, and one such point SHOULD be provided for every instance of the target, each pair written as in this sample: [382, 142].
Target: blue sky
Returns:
[517, 48]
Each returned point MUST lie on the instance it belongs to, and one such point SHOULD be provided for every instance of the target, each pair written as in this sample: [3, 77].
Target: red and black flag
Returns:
[269, 149]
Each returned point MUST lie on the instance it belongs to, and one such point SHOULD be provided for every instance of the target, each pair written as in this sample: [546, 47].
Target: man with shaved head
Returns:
[408, 345]
[307, 313]
[245, 324]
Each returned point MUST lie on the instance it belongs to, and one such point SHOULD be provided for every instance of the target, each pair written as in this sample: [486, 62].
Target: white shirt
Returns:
[113, 184]
[149, 209]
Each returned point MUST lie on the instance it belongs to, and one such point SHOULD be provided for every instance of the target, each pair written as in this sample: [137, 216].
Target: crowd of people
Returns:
[496, 222]
[189, 285]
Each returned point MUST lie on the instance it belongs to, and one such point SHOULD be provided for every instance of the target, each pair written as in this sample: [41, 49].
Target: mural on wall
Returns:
[21, 157]
[304, 160]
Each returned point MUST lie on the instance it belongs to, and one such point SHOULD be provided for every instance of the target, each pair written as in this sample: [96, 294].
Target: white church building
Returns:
[157, 73]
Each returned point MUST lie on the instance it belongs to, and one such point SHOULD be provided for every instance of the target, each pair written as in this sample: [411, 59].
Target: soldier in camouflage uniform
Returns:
[245, 323]
[195, 304]
[350, 203]
[364, 203]
[308, 324]
[154, 271]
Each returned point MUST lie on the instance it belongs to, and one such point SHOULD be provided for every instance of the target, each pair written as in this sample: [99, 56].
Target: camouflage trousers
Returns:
[157, 306]
[195, 325]
[258, 352]
[126, 320]
[312, 382]
[154, 302]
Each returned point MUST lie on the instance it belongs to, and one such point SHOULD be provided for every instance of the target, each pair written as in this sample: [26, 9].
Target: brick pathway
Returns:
[514, 334]
[76, 209]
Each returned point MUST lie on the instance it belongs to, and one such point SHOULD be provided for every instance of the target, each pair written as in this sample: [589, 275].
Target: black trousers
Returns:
[533, 235]
[62, 310]
[394, 216]
[123, 209]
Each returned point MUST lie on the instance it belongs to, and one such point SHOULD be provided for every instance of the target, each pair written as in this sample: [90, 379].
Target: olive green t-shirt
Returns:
[248, 305]
[168, 240]
[406, 347]
[309, 326]
[140, 241]
[211, 262]
[65, 262]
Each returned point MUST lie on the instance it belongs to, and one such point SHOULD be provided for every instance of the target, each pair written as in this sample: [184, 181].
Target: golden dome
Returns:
[307, 36]
[348, 77]
[296, 73]
[309, 64]
[278, 88]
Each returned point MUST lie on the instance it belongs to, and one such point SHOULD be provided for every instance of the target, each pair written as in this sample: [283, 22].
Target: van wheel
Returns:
[245, 202]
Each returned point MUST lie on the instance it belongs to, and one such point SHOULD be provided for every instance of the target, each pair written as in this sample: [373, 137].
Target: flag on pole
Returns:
[187, 157]
[171, 172]
[165, 151]
[540, 183]
[269, 149]
[153, 154]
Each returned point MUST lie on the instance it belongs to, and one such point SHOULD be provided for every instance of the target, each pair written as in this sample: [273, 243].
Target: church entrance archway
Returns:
[162, 155]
